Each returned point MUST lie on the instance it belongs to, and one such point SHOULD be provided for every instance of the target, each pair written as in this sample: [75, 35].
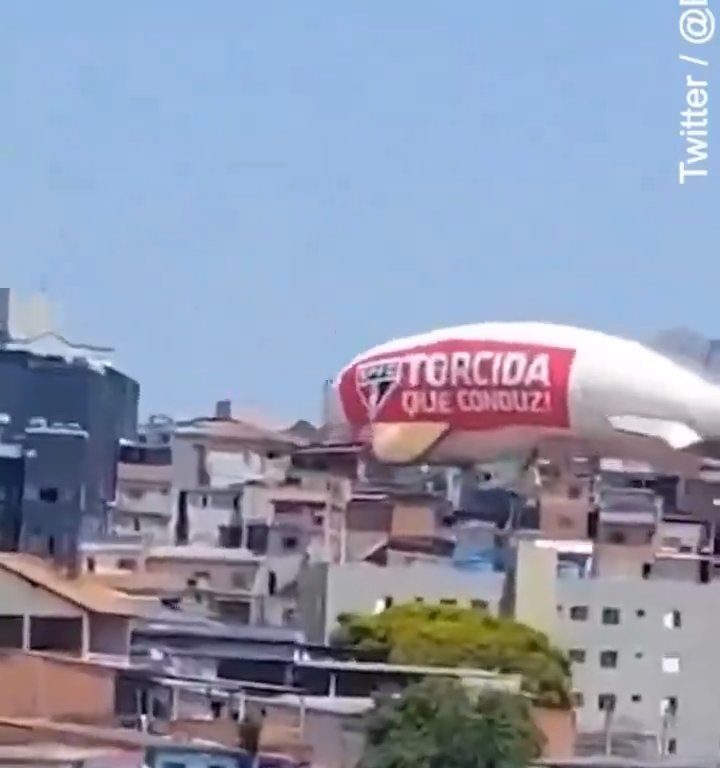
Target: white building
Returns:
[648, 649]
[327, 590]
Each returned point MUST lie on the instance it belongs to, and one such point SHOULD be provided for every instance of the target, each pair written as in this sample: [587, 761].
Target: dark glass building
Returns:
[68, 414]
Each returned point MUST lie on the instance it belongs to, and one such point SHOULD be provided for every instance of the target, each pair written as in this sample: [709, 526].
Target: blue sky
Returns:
[240, 196]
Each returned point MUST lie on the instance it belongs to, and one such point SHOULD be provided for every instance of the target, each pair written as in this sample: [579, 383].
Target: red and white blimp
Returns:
[477, 393]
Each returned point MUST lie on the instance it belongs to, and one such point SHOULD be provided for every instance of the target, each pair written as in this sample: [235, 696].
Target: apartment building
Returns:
[646, 651]
[63, 409]
[143, 504]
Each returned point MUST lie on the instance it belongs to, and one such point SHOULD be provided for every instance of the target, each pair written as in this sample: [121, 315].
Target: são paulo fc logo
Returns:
[375, 382]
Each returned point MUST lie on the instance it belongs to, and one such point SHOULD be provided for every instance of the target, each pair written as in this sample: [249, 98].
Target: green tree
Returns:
[434, 724]
[450, 636]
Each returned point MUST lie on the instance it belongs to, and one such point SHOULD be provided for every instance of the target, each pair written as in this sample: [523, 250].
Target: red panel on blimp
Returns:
[467, 383]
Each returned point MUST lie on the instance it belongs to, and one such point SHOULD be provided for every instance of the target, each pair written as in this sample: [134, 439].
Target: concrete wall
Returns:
[312, 601]
[134, 497]
[226, 462]
[535, 593]
[559, 728]
[155, 528]
[358, 587]
[38, 686]
[109, 634]
[222, 576]
[19, 597]
[621, 561]
[329, 735]
[562, 517]
[206, 513]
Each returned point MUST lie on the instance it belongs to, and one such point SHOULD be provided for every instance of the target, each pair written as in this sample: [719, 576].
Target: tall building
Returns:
[68, 409]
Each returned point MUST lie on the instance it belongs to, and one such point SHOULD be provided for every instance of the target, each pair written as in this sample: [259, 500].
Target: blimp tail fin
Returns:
[675, 434]
[405, 443]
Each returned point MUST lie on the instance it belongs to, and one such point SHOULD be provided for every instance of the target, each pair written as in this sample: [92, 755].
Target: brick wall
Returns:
[36, 685]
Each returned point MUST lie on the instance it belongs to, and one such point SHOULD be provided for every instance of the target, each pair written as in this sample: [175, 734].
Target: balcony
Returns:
[152, 474]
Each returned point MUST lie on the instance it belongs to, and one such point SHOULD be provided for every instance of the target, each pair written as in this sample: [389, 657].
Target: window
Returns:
[288, 616]
[639, 654]
[640, 613]
[448, 601]
[608, 659]
[606, 702]
[239, 580]
[576, 655]
[672, 620]
[579, 613]
[419, 600]
[383, 604]
[49, 495]
[636, 698]
[127, 563]
[91, 564]
[671, 664]
[290, 543]
[479, 605]
[577, 699]
[616, 537]
[672, 746]
[611, 616]
[669, 706]
[11, 631]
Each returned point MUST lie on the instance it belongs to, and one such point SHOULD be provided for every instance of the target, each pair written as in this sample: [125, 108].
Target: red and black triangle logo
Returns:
[376, 382]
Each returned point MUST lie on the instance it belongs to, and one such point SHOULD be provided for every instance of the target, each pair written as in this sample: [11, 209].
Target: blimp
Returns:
[523, 390]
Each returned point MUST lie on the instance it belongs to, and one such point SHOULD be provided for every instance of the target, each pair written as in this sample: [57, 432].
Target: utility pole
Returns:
[328, 513]
[609, 714]
[668, 719]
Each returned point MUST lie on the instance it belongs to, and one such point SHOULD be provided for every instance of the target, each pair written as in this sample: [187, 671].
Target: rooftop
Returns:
[236, 430]
[169, 622]
[510, 681]
[84, 591]
[204, 553]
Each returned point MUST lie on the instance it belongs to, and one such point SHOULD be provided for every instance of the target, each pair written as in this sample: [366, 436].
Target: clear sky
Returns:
[240, 196]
